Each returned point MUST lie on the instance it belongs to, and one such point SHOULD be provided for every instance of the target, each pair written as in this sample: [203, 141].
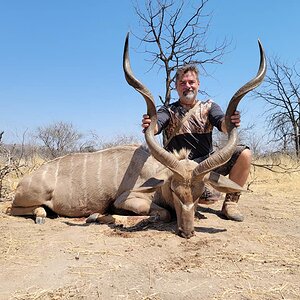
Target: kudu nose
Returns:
[186, 235]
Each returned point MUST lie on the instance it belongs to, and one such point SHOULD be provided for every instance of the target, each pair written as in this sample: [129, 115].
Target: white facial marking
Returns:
[187, 207]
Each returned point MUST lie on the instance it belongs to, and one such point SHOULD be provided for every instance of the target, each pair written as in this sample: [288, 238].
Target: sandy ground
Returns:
[68, 259]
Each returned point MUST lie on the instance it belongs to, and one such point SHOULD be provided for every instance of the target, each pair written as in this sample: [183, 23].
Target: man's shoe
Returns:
[230, 207]
[209, 196]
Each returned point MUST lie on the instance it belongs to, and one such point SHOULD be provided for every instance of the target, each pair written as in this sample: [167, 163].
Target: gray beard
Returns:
[189, 97]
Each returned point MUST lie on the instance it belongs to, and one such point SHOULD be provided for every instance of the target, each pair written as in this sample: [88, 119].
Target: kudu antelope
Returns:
[128, 177]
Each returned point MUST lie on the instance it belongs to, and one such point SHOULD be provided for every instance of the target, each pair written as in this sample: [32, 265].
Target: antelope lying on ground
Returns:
[128, 177]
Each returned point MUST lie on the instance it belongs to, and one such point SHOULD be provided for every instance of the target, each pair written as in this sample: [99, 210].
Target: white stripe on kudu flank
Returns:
[84, 181]
[99, 173]
[30, 181]
[56, 172]
[71, 178]
[45, 173]
[116, 171]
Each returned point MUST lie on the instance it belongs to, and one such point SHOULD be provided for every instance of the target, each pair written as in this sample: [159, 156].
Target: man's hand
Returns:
[236, 118]
[146, 121]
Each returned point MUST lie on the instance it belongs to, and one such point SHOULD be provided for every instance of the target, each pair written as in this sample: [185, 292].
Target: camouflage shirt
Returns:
[195, 133]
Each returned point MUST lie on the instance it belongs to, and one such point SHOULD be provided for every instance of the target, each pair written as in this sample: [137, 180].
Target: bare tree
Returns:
[174, 38]
[12, 163]
[59, 138]
[120, 140]
[281, 91]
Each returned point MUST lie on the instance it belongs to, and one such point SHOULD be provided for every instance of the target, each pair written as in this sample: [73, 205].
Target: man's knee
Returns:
[245, 157]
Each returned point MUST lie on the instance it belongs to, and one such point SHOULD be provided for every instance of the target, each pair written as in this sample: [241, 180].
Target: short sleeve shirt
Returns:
[195, 134]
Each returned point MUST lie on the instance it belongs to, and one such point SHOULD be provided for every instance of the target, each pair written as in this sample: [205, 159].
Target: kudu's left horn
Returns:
[163, 156]
[222, 156]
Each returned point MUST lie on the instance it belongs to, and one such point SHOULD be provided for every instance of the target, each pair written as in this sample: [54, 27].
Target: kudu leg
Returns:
[140, 205]
[38, 211]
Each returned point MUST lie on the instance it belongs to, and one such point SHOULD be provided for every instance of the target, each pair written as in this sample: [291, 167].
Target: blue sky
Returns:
[61, 60]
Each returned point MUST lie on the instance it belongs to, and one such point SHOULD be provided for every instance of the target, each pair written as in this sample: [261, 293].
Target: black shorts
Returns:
[226, 168]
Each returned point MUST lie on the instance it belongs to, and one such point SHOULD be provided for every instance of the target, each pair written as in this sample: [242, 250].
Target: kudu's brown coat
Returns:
[128, 177]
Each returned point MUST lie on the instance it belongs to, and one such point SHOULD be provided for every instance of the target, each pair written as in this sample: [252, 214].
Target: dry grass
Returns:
[17, 169]
[281, 173]
[79, 290]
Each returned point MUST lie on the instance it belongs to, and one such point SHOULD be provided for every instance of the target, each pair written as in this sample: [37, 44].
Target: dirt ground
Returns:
[68, 259]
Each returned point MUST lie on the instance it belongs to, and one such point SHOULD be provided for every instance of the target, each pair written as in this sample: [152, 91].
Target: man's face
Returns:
[187, 87]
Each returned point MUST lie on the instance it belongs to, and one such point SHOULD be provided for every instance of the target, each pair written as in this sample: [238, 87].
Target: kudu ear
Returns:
[153, 183]
[222, 183]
